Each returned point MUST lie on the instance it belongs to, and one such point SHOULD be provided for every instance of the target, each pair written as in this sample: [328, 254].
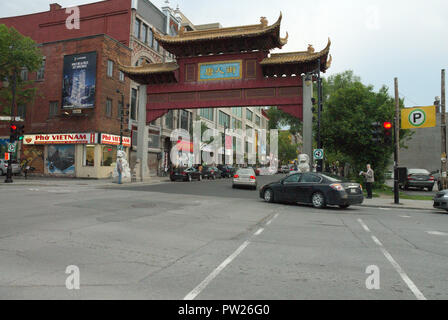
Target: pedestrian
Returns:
[370, 179]
[119, 170]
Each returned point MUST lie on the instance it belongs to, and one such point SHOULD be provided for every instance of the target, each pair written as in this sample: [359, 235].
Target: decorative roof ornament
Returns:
[330, 60]
[285, 39]
[310, 49]
[264, 22]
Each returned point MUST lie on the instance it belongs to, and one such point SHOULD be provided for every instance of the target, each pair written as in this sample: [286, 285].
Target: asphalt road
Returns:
[204, 240]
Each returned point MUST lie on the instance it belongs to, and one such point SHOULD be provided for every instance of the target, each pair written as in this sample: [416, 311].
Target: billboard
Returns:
[79, 81]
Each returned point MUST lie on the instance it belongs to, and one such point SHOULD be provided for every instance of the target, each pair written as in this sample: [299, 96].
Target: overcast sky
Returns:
[377, 39]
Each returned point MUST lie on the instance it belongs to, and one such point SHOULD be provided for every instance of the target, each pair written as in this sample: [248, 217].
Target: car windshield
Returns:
[245, 172]
[418, 171]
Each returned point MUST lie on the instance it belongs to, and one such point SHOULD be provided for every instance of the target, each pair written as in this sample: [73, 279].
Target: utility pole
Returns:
[443, 126]
[396, 143]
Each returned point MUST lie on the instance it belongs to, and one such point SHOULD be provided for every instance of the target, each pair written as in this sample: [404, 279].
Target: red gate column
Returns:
[307, 116]
[142, 135]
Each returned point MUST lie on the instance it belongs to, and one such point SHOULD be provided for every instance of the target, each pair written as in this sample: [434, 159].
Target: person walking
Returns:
[119, 170]
[370, 179]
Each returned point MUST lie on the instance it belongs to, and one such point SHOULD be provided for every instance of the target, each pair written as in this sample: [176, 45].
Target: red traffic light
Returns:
[387, 125]
[13, 127]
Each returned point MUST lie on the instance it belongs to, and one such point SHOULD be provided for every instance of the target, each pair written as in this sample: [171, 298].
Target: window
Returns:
[110, 68]
[109, 108]
[24, 74]
[121, 76]
[249, 115]
[120, 110]
[236, 124]
[137, 28]
[257, 120]
[154, 141]
[249, 131]
[41, 71]
[169, 119]
[53, 108]
[145, 34]
[21, 111]
[89, 156]
[207, 113]
[310, 178]
[224, 119]
[292, 179]
[134, 104]
[184, 119]
[237, 111]
[109, 156]
[156, 45]
[151, 38]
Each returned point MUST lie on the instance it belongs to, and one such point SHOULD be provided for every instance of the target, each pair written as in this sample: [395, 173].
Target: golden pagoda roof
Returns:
[223, 33]
[299, 57]
[151, 68]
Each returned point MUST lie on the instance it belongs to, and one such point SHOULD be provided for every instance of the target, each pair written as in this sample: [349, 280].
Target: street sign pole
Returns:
[396, 143]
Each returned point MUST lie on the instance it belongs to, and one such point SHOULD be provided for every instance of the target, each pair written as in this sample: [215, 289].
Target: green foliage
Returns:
[287, 151]
[279, 119]
[16, 52]
[350, 108]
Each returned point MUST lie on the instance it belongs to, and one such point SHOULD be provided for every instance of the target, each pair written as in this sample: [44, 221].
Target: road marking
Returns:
[405, 217]
[411, 285]
[437, 233]
[196, 291]
[384, 209]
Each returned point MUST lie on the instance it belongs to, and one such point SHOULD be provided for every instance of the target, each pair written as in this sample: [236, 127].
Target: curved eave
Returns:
[176, 44]
[151, 73]
[300, 59]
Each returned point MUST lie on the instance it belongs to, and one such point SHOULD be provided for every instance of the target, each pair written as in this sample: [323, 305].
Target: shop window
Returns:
[154, 141]
[89, 156]
[109, 156]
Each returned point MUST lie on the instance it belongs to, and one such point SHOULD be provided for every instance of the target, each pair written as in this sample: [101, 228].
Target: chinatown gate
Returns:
[230, 67]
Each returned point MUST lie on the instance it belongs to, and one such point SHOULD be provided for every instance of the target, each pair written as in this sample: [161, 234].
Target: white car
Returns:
[4, 167]
[245, 178]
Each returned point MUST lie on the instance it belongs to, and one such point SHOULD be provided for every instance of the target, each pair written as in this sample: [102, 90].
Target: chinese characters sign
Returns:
[227, 70]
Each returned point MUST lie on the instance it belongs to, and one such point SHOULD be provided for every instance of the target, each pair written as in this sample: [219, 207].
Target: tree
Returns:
[287, 151]
[279, 119]
[350, 108]
[17, 53]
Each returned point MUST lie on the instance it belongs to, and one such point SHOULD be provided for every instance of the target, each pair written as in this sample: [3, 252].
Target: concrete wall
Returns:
[424, 149]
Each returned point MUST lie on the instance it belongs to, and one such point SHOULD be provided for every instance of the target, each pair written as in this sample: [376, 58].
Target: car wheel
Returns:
[318, 200]
[268, 196]
[344, 207]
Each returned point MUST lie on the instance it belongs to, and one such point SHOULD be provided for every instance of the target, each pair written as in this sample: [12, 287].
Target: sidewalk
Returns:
[73, 182]
[388, 202]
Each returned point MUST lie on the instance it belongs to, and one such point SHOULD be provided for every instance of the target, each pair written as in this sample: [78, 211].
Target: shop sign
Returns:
[65, 138]
[114, 140]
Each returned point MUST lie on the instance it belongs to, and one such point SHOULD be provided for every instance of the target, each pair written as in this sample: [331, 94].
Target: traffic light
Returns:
[13, 133]
[388, 132]
[377, 132]
[20, 132]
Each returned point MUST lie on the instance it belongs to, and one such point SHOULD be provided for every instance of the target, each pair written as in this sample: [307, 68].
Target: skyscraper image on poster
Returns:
[79, 80]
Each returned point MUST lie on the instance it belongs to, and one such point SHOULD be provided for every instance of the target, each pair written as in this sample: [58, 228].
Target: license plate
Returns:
[353, 191]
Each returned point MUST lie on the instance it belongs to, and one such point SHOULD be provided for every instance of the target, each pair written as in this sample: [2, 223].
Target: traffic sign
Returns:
[318, 154]
[419, 117]
[11, 147]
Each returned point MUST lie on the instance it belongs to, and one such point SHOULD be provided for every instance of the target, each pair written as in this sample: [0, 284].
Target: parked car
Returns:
[185, 174]
[4, 167]
[211, 173]
[313, 188]
[419, 178]
[441, 200]
[245, 178]
[437, 179]
[283, 169]
[256, 170]
[226, 171]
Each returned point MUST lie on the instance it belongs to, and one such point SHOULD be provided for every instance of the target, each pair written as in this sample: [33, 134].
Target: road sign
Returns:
[419, 117]
[11, 147]
[318, 154]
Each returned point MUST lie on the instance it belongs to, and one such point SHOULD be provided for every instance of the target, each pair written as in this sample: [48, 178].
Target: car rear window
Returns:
[418, 171]
[246, 172]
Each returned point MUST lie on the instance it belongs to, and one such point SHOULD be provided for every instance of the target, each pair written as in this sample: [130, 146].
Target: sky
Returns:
[377, 39]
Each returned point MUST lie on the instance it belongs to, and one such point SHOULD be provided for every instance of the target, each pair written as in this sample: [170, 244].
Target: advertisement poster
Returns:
[79, 80]
[61, 159]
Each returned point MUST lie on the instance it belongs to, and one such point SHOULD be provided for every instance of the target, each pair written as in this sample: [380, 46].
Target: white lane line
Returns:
[366, 228]
[437, 233]
[407, 217]
[196, 291]
[411, 285]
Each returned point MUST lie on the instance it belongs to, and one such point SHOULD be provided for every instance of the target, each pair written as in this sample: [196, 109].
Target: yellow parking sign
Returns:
[418, 117]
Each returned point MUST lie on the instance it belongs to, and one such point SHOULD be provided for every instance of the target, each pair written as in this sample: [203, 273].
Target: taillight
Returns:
[337, 187]
[236, 176]
[253, 178]
[410, 177]
[184, 173]
[431, 178]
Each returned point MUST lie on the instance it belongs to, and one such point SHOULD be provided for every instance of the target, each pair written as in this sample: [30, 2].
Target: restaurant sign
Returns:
[225, 70]
[114, 140]
[65, 138]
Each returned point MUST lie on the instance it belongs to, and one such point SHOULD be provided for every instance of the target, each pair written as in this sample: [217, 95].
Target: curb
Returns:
[394, 206]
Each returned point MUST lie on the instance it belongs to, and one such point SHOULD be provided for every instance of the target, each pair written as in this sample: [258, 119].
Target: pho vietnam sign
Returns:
[225, 70]
[65, 138]
[114, 140]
